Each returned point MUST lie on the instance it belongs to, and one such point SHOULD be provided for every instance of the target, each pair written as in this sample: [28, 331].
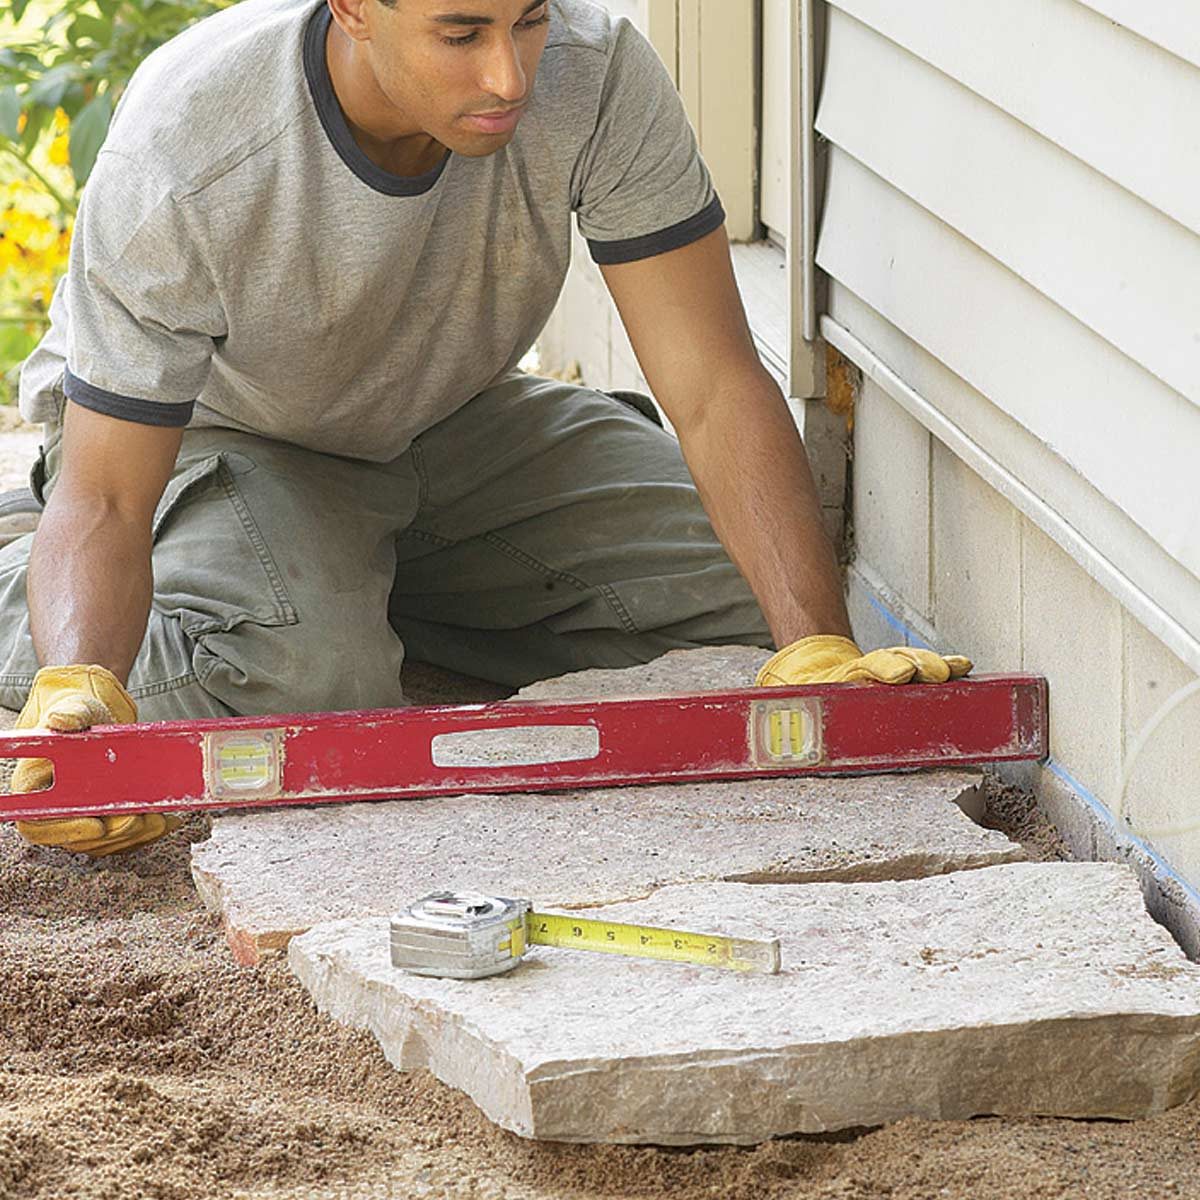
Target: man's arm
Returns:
[90, 581]
[685, 319]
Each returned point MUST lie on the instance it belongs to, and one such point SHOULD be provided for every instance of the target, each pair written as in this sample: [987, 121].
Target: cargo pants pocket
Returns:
[213, 570]
[639, 402]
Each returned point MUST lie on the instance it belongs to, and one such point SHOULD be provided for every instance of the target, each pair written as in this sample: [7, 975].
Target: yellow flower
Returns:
[60, 151]
[61, 120]
[28, 229]
[35, 241]
[22, 191]
[58, 254]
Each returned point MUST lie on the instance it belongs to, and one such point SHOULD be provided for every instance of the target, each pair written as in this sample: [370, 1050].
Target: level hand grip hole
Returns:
[37, 778]
[518, 746]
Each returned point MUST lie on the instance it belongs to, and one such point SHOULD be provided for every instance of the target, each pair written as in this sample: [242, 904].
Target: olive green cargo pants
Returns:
[542, 528]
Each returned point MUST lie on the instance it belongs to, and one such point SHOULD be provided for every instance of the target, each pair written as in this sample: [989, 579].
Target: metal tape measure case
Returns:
[459, 935]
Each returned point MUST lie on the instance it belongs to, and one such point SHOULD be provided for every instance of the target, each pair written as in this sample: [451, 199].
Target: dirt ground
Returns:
[136, 1060]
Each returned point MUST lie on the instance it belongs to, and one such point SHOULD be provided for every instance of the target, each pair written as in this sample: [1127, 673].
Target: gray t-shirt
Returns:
[239, 261]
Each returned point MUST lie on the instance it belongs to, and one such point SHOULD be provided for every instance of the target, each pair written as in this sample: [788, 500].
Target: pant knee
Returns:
[256, 670]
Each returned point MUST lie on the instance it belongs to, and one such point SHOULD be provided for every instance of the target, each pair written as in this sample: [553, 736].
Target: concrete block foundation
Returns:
[1008, 596]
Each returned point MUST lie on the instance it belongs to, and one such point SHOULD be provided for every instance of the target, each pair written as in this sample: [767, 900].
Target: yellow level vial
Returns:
[244, 764]
[649, 941]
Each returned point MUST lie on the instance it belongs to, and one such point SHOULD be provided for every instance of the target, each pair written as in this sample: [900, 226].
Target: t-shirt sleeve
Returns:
[143, 311]
[641, 186]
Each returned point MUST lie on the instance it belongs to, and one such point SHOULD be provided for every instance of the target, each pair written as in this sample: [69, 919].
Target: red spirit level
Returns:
[828, 729]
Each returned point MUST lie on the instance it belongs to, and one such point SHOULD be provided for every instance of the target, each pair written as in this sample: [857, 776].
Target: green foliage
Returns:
[80, 60]
[16, 343]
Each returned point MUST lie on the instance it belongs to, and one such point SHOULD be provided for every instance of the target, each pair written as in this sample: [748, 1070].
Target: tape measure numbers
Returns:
[468, 935]
[649, 941]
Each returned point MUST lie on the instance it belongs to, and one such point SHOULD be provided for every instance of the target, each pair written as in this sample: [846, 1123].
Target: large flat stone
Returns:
[274, 874]
[1022, 988]
[713, 669]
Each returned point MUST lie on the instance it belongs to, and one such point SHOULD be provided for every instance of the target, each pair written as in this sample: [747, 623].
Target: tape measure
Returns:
[468, 935]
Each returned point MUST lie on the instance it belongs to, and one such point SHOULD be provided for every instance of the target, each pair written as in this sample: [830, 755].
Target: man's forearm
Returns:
[89, 586]
[753, 475]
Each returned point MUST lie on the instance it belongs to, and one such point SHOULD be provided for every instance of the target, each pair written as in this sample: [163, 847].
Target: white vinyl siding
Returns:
[1170, 24]
[1013, 218]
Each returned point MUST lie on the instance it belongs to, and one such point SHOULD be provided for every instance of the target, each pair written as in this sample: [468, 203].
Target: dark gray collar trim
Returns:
[333, 120]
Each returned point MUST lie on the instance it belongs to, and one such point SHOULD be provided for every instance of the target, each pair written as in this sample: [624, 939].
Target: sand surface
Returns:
[136, 1060]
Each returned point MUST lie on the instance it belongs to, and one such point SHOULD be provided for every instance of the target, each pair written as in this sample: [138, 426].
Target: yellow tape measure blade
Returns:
[649, 941]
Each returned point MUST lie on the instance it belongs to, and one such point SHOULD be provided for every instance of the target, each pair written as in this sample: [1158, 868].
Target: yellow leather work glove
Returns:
[825, 658]
[70, 699]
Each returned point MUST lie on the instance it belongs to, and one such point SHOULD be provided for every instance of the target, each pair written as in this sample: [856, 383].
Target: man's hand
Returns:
[66, 700]
[89, 586]
[829, 659]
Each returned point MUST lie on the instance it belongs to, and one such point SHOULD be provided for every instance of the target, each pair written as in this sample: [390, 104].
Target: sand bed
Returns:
[137, 1060]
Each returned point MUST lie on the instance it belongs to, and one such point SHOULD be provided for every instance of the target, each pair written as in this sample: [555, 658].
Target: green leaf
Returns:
[88, 131]
[59, 16]
[35, 121]
[52, 87]
[89, 28]
[18, 9]
[10, 112]
[16, 60]
[73, 101]
[16, 344]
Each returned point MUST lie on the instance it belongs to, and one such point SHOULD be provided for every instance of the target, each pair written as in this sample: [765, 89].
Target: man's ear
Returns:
[351, 17]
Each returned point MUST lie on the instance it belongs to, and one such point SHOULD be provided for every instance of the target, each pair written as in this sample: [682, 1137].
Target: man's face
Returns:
[459, 70]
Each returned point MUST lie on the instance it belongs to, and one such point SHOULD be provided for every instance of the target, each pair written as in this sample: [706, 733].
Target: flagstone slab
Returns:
[1024, 988]
[711, 669]
[272, 874]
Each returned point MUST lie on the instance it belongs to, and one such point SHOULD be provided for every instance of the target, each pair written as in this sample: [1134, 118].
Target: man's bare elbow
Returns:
[111, 470]
[730, 394]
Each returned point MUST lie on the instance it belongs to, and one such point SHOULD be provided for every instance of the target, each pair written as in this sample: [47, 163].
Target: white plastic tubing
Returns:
[802, 216]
